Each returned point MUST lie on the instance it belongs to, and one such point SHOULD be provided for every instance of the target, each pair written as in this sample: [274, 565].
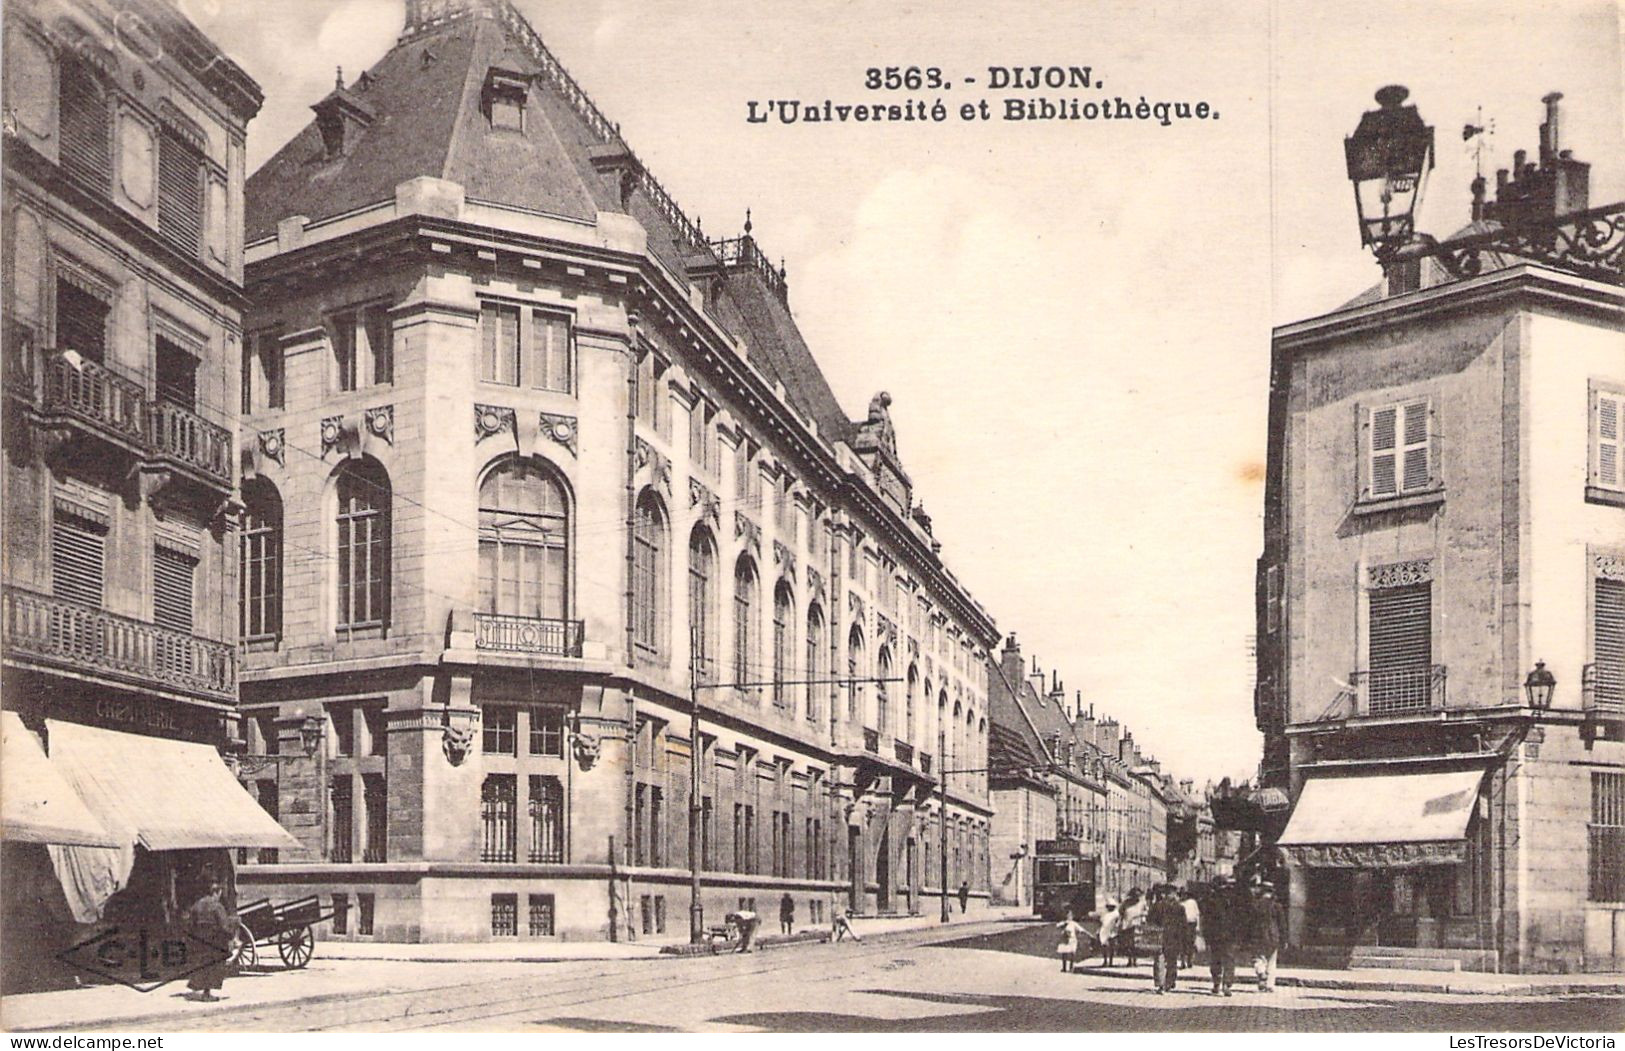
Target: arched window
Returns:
[815, 657]
[854, 668]
[913, 686]
[260, 562]
[783, 610]
[883, 691]
[363, 545]
[648, 573]
[745, 662]
[524, 542]
[702, 600]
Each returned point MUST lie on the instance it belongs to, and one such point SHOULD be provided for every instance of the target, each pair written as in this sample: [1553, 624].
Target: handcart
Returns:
[287, 926]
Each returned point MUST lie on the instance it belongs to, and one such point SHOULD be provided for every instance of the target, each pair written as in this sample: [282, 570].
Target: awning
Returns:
[36, 804]
[1382, 821]
[163, 794]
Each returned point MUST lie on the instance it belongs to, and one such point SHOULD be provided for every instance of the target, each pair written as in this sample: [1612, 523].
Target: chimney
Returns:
[1010, 661]
[1549, 130]
[1538, 193]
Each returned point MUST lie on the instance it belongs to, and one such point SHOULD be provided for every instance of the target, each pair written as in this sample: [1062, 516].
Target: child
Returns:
[1067, 950]
[1109, 921]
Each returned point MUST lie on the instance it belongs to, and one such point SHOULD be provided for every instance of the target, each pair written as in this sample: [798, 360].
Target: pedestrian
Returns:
[1218, 921]
[745, 921]
[840, 926]
[210, 922]
[1193, 920]
[1264, 929]
[1067, 950]
[1133, 919]
[787, 913]
[1168, 914]
[1110, 920]
[964, 894]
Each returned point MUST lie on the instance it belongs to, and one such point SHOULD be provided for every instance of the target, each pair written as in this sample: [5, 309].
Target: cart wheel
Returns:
[296, 946]
[247, 955]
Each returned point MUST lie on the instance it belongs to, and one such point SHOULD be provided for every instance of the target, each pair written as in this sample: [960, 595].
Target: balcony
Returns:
[1602, 690]
[871, 740]
[1400, 691]
[904, 752]
[85, 639]
[93, 395]
[183, 437]
[545, 636]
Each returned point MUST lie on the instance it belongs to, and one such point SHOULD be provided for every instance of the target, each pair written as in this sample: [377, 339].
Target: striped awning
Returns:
[161, 794]
[1382, 820]
[36, 804]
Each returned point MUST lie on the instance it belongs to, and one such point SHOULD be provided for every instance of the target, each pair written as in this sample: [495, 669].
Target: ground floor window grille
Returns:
[365, 904]
[546, 819]
[541, 915]
[497, 804]
[504, 915]
[647, 912]
[1606, 837]
[341, 914]
[660, 914]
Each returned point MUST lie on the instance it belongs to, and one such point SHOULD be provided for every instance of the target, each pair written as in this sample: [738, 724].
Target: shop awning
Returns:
[1383, 820]
[162, 794]
[36, 804]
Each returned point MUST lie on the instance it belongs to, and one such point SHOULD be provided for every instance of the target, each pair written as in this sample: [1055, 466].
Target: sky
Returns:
[1072, 317]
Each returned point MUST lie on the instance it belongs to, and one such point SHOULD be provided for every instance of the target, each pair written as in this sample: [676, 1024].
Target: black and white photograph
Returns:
[638, 517]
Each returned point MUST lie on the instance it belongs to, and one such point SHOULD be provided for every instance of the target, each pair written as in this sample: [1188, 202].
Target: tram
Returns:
[1062, 879]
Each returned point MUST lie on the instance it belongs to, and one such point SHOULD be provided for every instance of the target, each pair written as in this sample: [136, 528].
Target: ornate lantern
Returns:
[1389, 157]
[1539, 686]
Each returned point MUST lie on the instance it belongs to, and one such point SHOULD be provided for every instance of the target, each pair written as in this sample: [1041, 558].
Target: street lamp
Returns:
[1539, 686]
[1389, 157]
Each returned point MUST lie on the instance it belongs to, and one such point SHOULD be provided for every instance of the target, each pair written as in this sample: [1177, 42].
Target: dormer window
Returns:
[341, 117]
[504, 97]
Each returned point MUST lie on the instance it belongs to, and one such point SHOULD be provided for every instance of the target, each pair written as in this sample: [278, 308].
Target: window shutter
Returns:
[77, 554]
[1401, 642]
[381, 342]
[172, 589]
[180, 192]
[1384, 452]
[1418, 451]
[85, 127]
[1608, 645]
[1609, 471]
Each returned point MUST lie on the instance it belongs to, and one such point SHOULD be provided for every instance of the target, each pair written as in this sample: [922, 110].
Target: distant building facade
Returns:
[534, 462]
[1445, 507]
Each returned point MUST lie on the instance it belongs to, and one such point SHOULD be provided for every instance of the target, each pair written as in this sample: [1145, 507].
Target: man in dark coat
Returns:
[209, 921]
[787, 914]
[964, 894]
[1169, 915]
[1264, 934]
[1219, 929]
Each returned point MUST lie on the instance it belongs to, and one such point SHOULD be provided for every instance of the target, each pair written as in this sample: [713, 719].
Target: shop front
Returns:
[1389, 860]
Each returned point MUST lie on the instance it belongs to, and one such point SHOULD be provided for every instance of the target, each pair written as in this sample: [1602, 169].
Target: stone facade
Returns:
[716, 526]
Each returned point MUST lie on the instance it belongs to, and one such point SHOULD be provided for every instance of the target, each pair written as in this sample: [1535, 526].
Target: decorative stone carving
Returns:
[884, 626]
[1610, 566]
[585, 748]
[1399, 574]
[492, 419]
[914, 648]
[854, 604]
[784, 558]
[381, 422]
[647, 456]
[274, 446]
[815, 581]
[561, 429]
[456, 742]
[332, 433]
[703, 498]
[749, 531]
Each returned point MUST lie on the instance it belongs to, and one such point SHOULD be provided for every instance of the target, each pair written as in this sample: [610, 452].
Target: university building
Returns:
[1441, 596]
[124, 145]
[532, 467]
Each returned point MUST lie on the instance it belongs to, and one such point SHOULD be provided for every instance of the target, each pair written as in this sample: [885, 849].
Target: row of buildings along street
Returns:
[439, 524]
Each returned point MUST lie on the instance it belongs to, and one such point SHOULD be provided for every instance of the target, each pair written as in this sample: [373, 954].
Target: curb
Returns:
[1386, 986]
[775, 941]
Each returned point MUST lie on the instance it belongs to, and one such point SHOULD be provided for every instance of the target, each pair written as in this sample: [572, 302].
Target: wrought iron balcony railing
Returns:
[181, 435]
[871, 740]
[1602, 689]
[904, 752]
[92, 393]
[82, 637]
[514, 634]
[1391, 691]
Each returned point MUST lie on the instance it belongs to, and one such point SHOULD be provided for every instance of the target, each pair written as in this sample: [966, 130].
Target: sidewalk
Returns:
[1465, 983]
[489, 952]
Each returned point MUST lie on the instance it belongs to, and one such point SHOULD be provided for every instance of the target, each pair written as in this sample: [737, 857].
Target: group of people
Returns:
[1230, 920]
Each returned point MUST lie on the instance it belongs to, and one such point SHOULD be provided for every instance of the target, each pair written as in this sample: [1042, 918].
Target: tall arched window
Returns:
[883, 691]
[815, 658]
[783, 611]
[648, 573]
[745, 662]
[260, 562]
[913, 686]
[524, 542]
[702, 572]
[854, 668]
[363, 545]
